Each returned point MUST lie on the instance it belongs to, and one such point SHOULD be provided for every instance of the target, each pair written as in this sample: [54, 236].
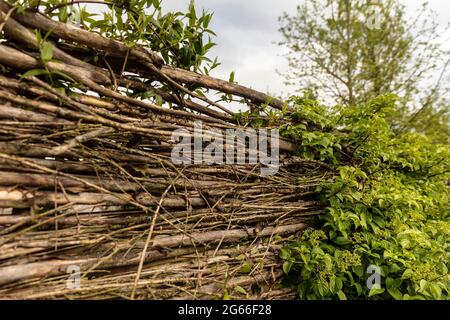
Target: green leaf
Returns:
[423, 285]
[287, 265]
[341, 295]
[155, 3]
[390, 283]
[358, 288]
[358, 270]
[231, 77]
[240, 257]
[208, 46]
[395, 293]
[339, 283]
[341, 241]
[226, 296]
[34, 72]
[407, 274]
[159, 100]
[405, 243]
[325, 142]
[246, 267]
[47, 52]
[317, 251]
[332, 284]
[285, 254]
[394, 268]
[321, 289]
[375, 291]
[436, 291]
[240, 290]
[363, 220]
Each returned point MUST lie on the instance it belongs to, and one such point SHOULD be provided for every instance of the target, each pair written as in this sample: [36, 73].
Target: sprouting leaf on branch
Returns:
[46, 52]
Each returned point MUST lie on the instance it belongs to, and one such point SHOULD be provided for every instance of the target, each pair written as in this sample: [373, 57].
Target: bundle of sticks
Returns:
[92, 204]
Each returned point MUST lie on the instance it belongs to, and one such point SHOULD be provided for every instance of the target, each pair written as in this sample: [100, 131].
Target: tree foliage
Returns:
[182, 38]
[350, 52]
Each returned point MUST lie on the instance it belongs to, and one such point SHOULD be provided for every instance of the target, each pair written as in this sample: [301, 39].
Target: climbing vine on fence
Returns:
[388, 208]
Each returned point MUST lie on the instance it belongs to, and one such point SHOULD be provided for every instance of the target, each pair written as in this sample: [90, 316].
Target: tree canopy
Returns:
[350, 52]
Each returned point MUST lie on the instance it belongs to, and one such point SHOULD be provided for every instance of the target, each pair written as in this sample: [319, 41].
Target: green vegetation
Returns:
[182, 38]
[388, 207]
[388, 203]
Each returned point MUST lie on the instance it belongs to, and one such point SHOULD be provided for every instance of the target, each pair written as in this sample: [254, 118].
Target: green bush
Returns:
[388, 207]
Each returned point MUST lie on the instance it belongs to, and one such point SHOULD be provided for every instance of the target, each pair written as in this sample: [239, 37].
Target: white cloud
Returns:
[247, 32]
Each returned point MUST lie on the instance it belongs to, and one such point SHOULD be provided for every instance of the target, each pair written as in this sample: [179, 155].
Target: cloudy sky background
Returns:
[247, 37]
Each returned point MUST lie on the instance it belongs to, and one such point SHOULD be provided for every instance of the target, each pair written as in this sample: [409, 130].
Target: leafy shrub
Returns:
[388, 207]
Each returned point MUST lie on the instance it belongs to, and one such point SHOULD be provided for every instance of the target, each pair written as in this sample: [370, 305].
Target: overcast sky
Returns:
[247, 33]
